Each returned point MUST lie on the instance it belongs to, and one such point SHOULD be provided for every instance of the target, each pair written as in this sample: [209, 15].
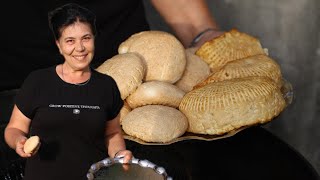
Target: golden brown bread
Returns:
[155, 123]
[156, 93]
[196, 71]
[230, 46]
[31, 144]
[127, 70]
[124, 110]
[258, 65]
[220, 107]
[163, 53]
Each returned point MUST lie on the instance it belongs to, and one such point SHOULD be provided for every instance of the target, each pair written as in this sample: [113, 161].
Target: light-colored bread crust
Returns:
[31, 144]
[230, 46]
[124, 111]
[156, 93]
[258, 65]
[128, 70]
[220, 107]
[162, 52]
[155, 123]
[196, 71]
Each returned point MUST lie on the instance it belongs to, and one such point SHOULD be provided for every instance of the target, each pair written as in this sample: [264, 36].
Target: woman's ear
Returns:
[58, 45]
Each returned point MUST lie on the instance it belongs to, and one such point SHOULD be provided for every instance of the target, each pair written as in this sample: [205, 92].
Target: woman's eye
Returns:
[87, 38]
[69, 41]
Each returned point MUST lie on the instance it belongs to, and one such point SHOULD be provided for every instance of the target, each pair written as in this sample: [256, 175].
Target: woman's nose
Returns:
[80, 46]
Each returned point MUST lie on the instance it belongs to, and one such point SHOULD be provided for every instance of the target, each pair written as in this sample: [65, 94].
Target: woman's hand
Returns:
[126, 154]
[206, 35]
[16, 131]
[20, 142]
[19, 147]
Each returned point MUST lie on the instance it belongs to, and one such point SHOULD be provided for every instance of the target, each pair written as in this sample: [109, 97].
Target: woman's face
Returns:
[76, 45]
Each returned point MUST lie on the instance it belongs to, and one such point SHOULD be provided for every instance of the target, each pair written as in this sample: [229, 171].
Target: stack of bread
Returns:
[242, 90]
[227, 83]
[145, 70]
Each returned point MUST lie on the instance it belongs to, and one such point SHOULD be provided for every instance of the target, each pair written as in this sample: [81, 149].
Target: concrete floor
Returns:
[290, 29]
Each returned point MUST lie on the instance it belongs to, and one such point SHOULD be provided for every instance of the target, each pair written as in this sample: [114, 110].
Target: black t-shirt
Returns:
[70, 121]
[28, 44]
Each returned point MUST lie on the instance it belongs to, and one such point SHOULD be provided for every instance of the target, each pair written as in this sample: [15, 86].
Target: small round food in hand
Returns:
[31, 144]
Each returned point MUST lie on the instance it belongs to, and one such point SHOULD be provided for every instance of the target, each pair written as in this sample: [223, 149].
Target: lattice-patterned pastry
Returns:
[127, 70]
[162, 52]
[221, 107]
[230, 46]
[155, 123]
[258, 65]
[156, 93]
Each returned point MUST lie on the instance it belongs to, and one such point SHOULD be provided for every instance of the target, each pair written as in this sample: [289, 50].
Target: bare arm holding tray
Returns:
[191, 20]
[115, 142]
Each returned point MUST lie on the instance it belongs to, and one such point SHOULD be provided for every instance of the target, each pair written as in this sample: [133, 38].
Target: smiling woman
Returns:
[75, 41]
[71, 107]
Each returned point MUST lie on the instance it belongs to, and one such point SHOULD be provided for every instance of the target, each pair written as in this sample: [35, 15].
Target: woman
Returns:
[71, 107]
[116, 21]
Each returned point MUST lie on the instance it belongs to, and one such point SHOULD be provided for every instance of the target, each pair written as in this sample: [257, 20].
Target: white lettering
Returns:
[73, 106]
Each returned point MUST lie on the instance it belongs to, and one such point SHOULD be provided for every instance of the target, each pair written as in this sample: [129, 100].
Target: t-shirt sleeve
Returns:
[25, 98]
[117, 101]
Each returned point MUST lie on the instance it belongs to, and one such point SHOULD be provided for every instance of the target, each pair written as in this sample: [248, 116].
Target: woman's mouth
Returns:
[79, 57]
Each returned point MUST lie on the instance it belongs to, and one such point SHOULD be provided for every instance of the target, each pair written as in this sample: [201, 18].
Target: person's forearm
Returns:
[187, 18]
[115, 143]
[12, 136]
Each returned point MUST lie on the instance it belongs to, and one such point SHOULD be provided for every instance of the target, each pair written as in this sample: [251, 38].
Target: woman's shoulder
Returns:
[46, 70]
[41, 73]
[37, 78]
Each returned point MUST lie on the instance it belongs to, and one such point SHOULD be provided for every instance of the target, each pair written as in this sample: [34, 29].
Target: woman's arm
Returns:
[114, 140]
[188, 18]
[17, 130]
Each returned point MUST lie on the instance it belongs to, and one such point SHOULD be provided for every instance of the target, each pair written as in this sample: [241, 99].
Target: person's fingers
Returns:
[20, 141]
[208, 37]
[127, 156]
[19, 148]
[23, 154]
[126, 160]
[126, 167]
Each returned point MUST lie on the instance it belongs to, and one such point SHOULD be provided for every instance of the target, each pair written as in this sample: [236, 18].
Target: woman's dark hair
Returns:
[68, 14]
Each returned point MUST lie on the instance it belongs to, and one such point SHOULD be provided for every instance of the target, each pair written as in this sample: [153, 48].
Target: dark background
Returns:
[290, 30]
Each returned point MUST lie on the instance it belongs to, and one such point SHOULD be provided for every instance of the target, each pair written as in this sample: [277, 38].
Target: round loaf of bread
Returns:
[128, 70]
[124, 111]
[220, 107]
[163, 53]
[230, 46]
[258, 65]
[196, 71]
[31, 144]
[155, 123]
[156, 93]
